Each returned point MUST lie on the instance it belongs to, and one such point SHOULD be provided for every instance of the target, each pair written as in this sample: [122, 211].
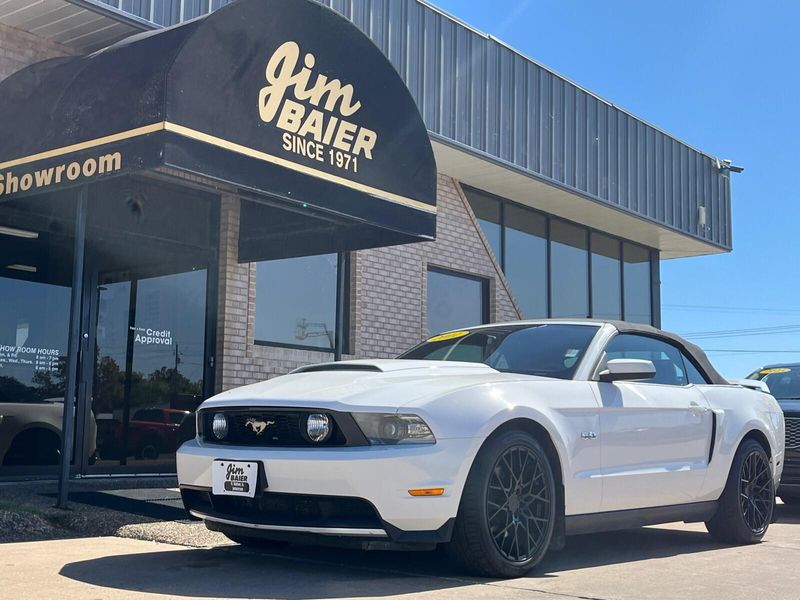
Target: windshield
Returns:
[546, 350]
[783, 382]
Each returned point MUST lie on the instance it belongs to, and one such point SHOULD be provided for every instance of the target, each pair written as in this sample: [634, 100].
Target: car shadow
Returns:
[299, 572]
[785, 513]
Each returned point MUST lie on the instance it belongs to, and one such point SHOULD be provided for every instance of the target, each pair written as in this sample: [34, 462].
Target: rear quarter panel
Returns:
[739, 411]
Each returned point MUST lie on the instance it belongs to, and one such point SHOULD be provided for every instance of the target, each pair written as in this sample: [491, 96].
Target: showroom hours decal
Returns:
[37, 358]
[313, 116]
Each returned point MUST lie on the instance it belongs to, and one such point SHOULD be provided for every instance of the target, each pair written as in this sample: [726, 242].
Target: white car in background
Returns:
[497, 440]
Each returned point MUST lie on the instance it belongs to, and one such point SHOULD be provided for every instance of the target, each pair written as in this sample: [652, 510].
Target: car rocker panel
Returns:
[557, 433]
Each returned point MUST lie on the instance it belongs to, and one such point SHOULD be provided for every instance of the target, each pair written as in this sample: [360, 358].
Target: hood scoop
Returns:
[338, 366]
[391, 364]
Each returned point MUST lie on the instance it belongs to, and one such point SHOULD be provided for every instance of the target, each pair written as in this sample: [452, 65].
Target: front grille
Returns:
[293, 510]
[792, 432]
[285, 428]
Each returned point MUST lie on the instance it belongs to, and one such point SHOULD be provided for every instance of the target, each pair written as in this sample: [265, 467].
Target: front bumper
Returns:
[790, 479]
[378, 475]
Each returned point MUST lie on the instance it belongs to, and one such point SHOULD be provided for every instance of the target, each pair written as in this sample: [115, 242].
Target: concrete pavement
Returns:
[675, 561]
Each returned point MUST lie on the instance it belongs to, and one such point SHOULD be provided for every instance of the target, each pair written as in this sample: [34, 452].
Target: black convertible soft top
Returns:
[694, 352]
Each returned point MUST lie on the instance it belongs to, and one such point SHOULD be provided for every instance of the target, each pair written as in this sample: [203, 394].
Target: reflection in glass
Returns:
[606, 277]
[149, 366]
[296, 301]
[638, 300]
[34, 325]
[526, 260]
[487, 211]
[454, 301]
[569, 262]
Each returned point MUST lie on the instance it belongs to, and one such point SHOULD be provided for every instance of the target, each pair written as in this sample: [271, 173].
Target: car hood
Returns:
[369, 385]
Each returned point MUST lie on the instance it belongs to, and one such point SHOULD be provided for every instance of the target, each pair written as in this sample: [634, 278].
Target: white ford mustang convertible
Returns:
[497, 441]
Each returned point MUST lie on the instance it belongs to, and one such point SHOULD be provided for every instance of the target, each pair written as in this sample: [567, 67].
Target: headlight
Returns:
[318, 427]
[219, 425]
[394, 429]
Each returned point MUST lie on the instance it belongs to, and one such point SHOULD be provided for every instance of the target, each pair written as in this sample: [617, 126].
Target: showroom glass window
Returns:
[569, 264]
[638, 289]
[606, 277]
[456, 300]
[589, 273]
[488, 211]
[35, 287]
[526, 259]
[296, 302]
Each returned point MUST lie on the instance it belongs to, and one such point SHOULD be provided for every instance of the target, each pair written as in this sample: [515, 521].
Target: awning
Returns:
[284, 100]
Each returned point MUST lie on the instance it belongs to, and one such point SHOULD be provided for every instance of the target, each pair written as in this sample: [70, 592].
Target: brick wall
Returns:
[239, 360]
[19, 49]
[387, 293]
[390, 313]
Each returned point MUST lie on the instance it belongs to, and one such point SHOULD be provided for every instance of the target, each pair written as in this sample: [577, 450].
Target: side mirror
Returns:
[627, 369]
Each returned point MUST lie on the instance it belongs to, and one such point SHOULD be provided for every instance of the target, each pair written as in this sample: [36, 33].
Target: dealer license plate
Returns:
[234, 478]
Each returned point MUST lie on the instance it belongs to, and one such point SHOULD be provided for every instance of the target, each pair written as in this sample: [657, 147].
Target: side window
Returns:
[667, 359]
[693, 373]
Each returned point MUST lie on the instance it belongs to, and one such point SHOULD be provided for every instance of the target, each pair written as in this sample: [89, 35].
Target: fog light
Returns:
[318, 427]
[219, 425]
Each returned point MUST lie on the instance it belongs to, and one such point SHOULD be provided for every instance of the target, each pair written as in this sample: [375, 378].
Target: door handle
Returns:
[696, 409]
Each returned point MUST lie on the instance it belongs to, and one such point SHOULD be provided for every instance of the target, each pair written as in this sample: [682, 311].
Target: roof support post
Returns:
[76, 344]
[341, 301]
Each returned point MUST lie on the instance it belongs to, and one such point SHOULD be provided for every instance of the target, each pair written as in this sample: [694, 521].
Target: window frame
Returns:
[603, 358]
[654, 287]
[485, 292]
[345, 327]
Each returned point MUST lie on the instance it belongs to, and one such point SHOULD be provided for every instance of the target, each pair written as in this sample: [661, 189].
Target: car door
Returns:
[655, 434]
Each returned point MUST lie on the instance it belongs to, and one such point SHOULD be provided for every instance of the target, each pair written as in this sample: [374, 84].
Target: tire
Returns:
[746, 505]
[256, 542]
[150, 449]
[34, 447]
[500, 532]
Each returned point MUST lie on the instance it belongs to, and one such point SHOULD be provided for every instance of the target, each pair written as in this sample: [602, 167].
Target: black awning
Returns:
[283, 98]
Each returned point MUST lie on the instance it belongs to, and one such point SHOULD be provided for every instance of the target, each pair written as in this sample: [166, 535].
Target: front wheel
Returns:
[508, 509]
[746, 505]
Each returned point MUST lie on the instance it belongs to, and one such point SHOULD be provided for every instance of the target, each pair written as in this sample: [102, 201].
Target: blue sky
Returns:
[722, 76]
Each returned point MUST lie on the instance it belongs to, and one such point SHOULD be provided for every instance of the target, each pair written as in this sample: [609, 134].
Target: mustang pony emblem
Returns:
[257, 425]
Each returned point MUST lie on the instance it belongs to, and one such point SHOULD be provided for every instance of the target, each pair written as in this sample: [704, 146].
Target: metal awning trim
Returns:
[224, 144]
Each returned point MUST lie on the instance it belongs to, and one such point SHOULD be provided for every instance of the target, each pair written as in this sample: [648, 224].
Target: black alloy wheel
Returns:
[745, 508]
[518, 503]
[756, 493]
[508, 510]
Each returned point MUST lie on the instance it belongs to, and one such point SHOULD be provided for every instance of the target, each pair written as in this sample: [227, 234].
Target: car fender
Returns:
[478, 411]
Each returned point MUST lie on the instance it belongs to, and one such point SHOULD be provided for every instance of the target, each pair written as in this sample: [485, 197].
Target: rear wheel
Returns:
[34, 447]
[745, 508]
[508, 509]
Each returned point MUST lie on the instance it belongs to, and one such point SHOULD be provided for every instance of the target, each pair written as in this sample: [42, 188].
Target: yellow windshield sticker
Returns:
[773, 371]
[448, 336]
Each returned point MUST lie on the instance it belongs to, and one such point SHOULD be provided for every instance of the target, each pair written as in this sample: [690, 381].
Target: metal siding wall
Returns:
[194, 8]
[140, 8]
[478, 92]
[166, 12]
